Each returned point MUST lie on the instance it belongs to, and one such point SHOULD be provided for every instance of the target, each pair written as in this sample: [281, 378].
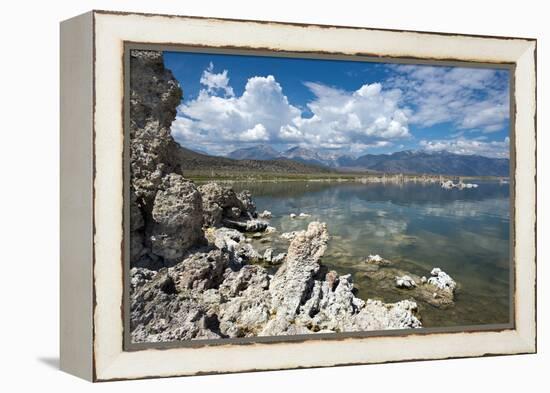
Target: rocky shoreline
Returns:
[218, 289]
[194, 275]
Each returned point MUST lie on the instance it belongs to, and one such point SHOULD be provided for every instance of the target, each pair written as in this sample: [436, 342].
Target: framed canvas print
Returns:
[244, 195]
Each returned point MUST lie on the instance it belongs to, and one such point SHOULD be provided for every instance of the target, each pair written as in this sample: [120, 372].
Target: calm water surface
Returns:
[417, 226]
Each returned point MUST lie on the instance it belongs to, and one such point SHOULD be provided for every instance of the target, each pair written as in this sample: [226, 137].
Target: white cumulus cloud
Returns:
[365, 115]
[339, 120]
[254, 134]
[217, 123]
[216, 82]
[496, 149]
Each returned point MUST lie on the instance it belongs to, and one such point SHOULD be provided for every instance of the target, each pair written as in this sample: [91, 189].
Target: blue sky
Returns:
[334, 106]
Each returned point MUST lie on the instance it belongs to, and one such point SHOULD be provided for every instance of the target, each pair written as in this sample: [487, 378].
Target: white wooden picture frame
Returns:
[92, 195]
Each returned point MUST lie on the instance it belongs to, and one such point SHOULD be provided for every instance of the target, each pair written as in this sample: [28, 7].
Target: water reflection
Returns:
[464, 232]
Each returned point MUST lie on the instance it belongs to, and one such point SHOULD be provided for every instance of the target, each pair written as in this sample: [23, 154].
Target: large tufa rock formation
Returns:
[154, 97]
[165, 209]
[208, 295]
[295, 277]
[177, 218]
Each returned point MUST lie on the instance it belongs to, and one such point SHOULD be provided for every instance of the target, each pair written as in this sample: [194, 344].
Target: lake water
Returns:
[417, 226]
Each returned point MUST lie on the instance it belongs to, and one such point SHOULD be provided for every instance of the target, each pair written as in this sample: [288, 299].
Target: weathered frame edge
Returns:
[76, 196]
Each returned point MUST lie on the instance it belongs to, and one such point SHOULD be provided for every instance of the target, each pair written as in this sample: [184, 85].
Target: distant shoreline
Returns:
[201, 176]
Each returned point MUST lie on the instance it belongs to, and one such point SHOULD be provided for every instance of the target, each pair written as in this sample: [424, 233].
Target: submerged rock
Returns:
[405, 282]
[374, 259]
[374, 262]
[419, 288]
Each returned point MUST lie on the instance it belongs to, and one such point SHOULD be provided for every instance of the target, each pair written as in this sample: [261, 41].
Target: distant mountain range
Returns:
[296, 153]
[441, 162]
[189, 160]
[259, 152]
[408, 161]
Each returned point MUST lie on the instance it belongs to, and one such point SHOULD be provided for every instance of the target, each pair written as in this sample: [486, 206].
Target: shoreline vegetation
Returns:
[194, 273]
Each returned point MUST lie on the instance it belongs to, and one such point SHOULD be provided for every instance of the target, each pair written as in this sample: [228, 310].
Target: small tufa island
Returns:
[194, 273]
